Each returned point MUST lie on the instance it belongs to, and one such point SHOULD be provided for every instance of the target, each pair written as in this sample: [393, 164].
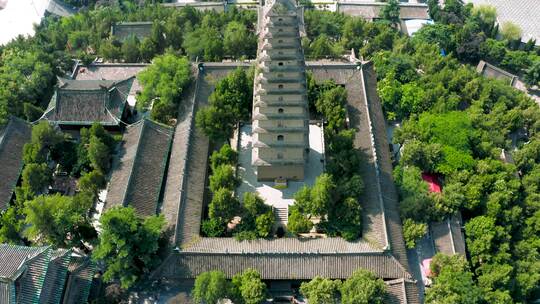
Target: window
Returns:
[280, 110]
[280, 75]
[280, 63]
[280, 137]
[280, 98]
[280, 86]
[280, 41]
[280, 155]
[280, 30]
[280, 19]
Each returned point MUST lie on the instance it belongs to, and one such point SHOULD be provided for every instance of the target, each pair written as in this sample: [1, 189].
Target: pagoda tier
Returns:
[280, 107]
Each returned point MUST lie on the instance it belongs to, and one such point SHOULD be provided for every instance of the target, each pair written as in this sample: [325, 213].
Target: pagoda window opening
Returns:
[280, 138]
[280, 86]
[280, 63]
[280, 110]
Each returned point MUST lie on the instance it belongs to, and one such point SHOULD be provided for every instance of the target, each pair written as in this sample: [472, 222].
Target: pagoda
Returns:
[280, 107]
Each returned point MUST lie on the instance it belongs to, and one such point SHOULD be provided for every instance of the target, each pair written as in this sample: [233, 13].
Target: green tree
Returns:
[265, 224]
[354, 33]
[225, 155]
[130, 49]
[331, 103]
[510, 31]
[390, 12]
[224, 206]
[128, 245]
[99, 154]
[412, 231]
[55, 220]
[297, 222]
[35, 178]
[254, 204]
[92, 181]
[216, 123]
[10, 226]
[210, 287]
[205, 43]
[223, 177]
[147, 49]
[322, 195]
[532, 75]
[111, 49]
[362, 287]
[230, 103]
[237, 40]
[453, 282]
[44, 138]
[487, 13]
[164, 80]
[321, 290]
[249, 286]
[213, 228]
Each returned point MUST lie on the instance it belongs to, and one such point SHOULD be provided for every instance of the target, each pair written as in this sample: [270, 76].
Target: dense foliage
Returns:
[128, 245]
[230, 103]
[163, 83]
[362, 287]
[331, 35]
[29, 66]
[257, 218]
[335, 196]
[37, 215]
[245, 288]
[454, 125]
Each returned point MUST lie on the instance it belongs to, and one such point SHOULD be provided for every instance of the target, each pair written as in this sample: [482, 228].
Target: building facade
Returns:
[280, 106]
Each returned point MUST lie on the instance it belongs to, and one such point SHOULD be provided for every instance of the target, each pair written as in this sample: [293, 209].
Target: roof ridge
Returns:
[141, 134]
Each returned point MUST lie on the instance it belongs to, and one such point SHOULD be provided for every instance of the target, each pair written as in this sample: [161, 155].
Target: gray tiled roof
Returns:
[139, 167]
[111, 71]
[280, 245]
[371, 10]
[523, 13]
[273, 266]
[491, 71]
[447, 236]
[123, 30]
[81, 272]
[382, 249]
[56, 277]
[25, 267]
[399, 292]
[13, 136]
[82, 102]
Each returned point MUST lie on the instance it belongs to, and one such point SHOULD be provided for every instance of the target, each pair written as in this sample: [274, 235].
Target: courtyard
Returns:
[278, 198]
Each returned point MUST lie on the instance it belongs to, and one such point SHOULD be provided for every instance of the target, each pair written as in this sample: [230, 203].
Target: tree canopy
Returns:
[128, 245]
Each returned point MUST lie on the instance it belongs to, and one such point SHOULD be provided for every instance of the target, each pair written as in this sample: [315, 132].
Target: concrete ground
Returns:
[278, 198]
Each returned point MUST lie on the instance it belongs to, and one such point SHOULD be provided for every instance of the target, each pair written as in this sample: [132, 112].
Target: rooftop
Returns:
[123, 30]
[112, 71]
[139, 167]
[41, 275]
[13, 136]
[523, 13]
[82, 102]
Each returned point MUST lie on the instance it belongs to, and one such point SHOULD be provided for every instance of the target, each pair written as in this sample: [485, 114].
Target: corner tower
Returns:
[280, 107]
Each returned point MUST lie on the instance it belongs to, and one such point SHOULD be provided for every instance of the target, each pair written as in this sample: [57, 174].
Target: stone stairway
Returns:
[282, 214]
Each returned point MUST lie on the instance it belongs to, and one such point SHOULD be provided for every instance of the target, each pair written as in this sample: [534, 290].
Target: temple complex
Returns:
[280, 106]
